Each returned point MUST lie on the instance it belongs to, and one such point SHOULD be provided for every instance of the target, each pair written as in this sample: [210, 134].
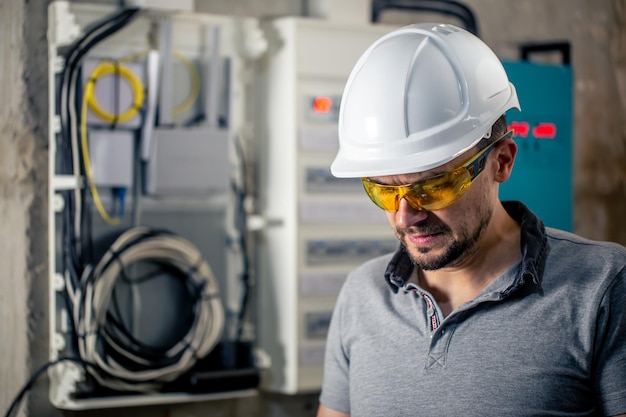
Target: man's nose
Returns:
[407, 215]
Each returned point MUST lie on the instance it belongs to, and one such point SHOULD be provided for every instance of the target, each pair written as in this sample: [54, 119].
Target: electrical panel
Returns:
[318, 227]
[543, 176]
[147, 114]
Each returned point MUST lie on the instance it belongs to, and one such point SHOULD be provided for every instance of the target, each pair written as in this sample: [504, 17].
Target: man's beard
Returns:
[459, 250]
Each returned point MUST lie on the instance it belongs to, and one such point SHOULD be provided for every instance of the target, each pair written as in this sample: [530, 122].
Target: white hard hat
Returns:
[417, 98]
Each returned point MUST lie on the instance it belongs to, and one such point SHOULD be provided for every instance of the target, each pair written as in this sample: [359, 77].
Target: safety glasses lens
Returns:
[385, 197]
[440, 191]
[431, 194]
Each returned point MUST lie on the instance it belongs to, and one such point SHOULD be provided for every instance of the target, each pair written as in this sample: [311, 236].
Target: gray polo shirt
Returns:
[547, 338]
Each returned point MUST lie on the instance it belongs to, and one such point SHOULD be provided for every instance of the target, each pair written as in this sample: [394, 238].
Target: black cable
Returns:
[242, 224]
[78, 266]
[69, 261]
[446, 7]
[67, 81]
[79, 49]
[116, 95]
[115, 322]
[88, 249]
[124, 362]
[108, 26]
[70, 80]
[31, 381]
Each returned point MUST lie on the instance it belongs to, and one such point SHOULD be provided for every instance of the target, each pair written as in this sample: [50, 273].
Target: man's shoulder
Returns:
[587, 263]
[581, 245]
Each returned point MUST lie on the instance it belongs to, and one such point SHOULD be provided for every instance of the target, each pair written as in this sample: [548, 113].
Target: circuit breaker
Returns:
[318, 227]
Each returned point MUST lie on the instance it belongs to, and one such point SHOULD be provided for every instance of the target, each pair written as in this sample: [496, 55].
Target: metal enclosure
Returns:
[187, 192]
[318, 227]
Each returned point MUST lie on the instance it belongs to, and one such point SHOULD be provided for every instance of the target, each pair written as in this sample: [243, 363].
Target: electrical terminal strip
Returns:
[65, 29]
[256, 223]
[58, 203]
[56, 123]
[59, 282]
[262, 358]
[63, 380]
[58, 64]
[256, 44]
[58, 342]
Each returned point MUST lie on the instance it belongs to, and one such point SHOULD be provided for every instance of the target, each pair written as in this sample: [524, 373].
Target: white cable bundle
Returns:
[135, 245]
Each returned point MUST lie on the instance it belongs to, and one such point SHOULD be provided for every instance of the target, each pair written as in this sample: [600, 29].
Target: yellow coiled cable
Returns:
[90, 101]
[106, 68]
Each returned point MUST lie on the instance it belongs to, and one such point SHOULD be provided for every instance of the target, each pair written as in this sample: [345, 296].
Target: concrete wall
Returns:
[23, 194]
[596, 29]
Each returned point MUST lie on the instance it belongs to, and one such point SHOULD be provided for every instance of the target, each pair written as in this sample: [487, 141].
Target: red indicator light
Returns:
[520, 129]
[322, 104]
[545, 131]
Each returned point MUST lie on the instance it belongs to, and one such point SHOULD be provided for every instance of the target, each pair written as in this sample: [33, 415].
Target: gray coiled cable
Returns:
[98, 348]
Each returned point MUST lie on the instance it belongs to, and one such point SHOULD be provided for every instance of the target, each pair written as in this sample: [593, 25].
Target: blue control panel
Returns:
[542, 176]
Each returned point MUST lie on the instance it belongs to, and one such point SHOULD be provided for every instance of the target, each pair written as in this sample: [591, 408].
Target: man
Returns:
[482, 311]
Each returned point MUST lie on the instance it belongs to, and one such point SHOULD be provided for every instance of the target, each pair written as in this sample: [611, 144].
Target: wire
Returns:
[69, 164]
[128, 365]
[87, 165]
[13, 408]
[115, 358]
[67, 148]
[240, 188]
[105, 68]
[108, 67]
[89, 100]
[194, 91]
[446, 7]
[98, 32]
[192, 71]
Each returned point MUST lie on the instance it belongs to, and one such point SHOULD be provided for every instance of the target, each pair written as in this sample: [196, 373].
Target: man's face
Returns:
[449, 237]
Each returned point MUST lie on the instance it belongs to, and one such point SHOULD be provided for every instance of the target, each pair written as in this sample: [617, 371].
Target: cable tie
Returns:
[91, 332]
[116, 94]
[209, 297]
[115, 255]
[196, 266]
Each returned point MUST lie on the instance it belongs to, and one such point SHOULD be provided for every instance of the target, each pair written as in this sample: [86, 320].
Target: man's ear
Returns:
[505, 157]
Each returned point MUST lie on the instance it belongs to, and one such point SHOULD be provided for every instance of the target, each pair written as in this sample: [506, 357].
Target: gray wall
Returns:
[596, 29]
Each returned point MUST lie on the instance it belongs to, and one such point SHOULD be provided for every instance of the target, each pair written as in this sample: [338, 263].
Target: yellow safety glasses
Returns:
[434, 193]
